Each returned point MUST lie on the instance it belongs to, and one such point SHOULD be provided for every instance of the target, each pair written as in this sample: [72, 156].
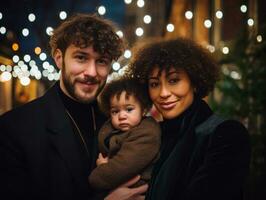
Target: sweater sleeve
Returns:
[225, 166]
[105, 130]
[138, 150]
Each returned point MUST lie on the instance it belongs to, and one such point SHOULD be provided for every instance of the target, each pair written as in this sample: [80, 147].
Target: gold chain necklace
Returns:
[79, 132]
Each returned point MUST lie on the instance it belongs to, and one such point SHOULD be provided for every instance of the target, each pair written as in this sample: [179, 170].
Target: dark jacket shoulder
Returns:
[231, 131]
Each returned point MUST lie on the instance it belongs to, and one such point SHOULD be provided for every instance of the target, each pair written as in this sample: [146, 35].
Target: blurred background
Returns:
[233, 31]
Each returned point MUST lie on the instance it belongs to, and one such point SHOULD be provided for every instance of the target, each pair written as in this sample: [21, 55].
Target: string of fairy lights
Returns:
[25, 68]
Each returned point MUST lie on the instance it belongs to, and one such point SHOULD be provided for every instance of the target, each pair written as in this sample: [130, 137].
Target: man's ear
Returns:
[58, 58]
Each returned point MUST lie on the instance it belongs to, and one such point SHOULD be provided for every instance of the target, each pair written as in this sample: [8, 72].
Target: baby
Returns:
[129, 141]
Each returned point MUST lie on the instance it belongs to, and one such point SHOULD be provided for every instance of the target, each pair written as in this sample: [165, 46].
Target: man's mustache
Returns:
[88, 79]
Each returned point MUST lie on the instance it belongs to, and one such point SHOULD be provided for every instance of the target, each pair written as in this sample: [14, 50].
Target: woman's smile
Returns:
[168, 105]
[171, 91]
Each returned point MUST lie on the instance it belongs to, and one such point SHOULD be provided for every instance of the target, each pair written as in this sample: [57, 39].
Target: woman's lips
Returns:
[168, 105]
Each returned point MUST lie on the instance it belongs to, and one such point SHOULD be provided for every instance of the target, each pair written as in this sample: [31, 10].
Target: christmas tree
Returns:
[241, 94]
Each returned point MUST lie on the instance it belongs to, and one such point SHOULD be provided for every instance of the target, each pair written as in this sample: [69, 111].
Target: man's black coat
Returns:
[41, 157]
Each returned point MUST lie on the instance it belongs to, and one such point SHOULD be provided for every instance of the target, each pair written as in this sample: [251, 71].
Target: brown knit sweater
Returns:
[130, 153]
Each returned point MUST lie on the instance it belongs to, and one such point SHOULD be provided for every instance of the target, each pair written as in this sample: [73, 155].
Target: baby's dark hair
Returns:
[178, 53]
[131, 86]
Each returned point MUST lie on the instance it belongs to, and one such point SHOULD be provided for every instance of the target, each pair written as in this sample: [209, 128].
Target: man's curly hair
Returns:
[83, 30]
[132, 87]
[178, 53]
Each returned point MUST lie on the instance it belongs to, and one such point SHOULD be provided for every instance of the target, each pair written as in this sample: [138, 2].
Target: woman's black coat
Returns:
[202, 157]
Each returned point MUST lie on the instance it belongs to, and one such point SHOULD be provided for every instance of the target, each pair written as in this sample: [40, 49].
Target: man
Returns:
[48, 147]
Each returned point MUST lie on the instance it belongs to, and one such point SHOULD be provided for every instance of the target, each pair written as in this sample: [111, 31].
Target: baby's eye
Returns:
[129, 109]
[114, 112]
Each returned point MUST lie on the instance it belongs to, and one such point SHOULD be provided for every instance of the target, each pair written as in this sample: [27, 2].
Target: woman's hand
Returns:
[123, 192]
[101, 160]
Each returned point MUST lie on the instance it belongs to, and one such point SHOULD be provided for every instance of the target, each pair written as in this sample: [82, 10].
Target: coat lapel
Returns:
[63, 137]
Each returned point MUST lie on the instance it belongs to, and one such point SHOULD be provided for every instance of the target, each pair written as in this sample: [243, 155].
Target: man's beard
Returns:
[70, 86]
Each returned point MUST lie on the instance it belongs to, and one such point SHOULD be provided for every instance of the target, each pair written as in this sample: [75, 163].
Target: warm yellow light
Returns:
[225, 50]
[37, 50]
[15, 46]
[5, 76]
[170, 27]
[259, 38]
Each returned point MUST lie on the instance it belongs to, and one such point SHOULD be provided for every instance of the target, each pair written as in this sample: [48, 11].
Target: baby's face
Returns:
[125, 112]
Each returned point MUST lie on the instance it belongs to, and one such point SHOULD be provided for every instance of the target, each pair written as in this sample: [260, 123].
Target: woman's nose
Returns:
[164, 92]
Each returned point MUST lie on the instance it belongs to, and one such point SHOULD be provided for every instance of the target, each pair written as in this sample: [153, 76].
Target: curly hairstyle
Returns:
[131, 86]
[178, 53]
[83, 30]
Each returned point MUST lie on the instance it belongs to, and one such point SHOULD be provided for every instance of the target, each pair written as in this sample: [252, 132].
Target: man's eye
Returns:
[103, 62]
[80, 58]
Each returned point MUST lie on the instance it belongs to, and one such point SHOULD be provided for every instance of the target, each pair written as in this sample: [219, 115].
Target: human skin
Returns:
[84, 72]
[171, 92]
[124, 192]
[126, 113]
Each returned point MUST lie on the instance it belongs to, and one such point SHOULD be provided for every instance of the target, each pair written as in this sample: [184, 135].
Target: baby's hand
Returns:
[101, 160]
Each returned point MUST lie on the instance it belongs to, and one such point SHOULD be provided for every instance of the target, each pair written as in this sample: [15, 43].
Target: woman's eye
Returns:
[153, 84]
[173, 80]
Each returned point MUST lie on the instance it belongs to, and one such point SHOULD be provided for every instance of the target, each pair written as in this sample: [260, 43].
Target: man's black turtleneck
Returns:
[84, 115]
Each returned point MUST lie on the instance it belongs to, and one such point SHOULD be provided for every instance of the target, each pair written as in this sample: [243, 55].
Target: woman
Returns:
[202, 155]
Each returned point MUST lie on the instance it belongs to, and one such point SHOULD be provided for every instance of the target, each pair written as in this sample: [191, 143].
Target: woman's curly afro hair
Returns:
[178, 53]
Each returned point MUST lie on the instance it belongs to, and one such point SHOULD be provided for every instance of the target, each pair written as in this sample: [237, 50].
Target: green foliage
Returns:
[242, 95]
[243, 84]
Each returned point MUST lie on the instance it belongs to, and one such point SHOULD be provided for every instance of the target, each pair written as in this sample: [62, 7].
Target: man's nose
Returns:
[91, 69]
